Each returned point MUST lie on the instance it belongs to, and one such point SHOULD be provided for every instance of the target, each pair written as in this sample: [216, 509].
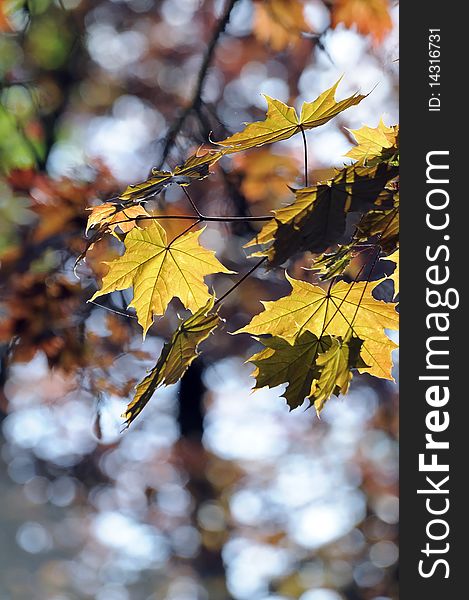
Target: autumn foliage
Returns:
[339, 223]
[320, 334]
[199, 201]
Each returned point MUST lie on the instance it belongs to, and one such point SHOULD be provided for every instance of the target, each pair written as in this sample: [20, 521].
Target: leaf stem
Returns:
[305, 146]
[240, 281]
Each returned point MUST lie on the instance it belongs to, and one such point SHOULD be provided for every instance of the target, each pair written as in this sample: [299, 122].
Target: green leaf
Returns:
[280, 362]
[175, 358]
[314, 368]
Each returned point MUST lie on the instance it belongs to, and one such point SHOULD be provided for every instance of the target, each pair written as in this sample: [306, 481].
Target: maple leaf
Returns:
[175, 358]
[345, 308]
[369, 16]
[279, 23]
[335, 370]
[375, 144]
[317, 218]
[313, 367]
[334, 374]
[195, 168]
[280, 362]
[110, 216]
[282, 121]
[159, 272]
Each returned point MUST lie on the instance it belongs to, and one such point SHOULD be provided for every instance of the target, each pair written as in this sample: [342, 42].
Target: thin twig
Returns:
[192, 203]
[240, 281]
[196, 97]
[183, 233]
[113, 310]
[227, 219]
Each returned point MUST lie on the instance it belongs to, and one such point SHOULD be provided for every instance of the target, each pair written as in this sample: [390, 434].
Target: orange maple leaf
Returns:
[370, 17]
[279, 23]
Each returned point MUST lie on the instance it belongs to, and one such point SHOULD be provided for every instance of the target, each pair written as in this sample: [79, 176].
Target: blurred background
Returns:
[215, 492]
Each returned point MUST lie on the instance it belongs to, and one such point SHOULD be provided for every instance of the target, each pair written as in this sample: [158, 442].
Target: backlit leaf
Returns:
[334, 374]
[280, 362]
[314, 368]
[335, 370]
[110, 216]
[282, 121]
[159, 272]
[374, 144]
[195, 167]
[345, 308]
[175, 358]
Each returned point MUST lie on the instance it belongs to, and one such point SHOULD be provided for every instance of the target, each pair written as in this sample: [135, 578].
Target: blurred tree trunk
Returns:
[194, 458]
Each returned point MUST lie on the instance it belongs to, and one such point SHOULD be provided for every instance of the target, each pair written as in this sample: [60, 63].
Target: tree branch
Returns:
[200, 217]
[178, 124]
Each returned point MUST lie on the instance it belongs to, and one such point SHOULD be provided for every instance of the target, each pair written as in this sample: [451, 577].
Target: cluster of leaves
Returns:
[321, 333]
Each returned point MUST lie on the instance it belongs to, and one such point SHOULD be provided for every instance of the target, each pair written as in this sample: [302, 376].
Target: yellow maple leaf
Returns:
[159, 272]
[346, 308]
[334, 374]
[194, 168]
[279, 23]
[175, 358]
[374, 143]
[282, 121]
